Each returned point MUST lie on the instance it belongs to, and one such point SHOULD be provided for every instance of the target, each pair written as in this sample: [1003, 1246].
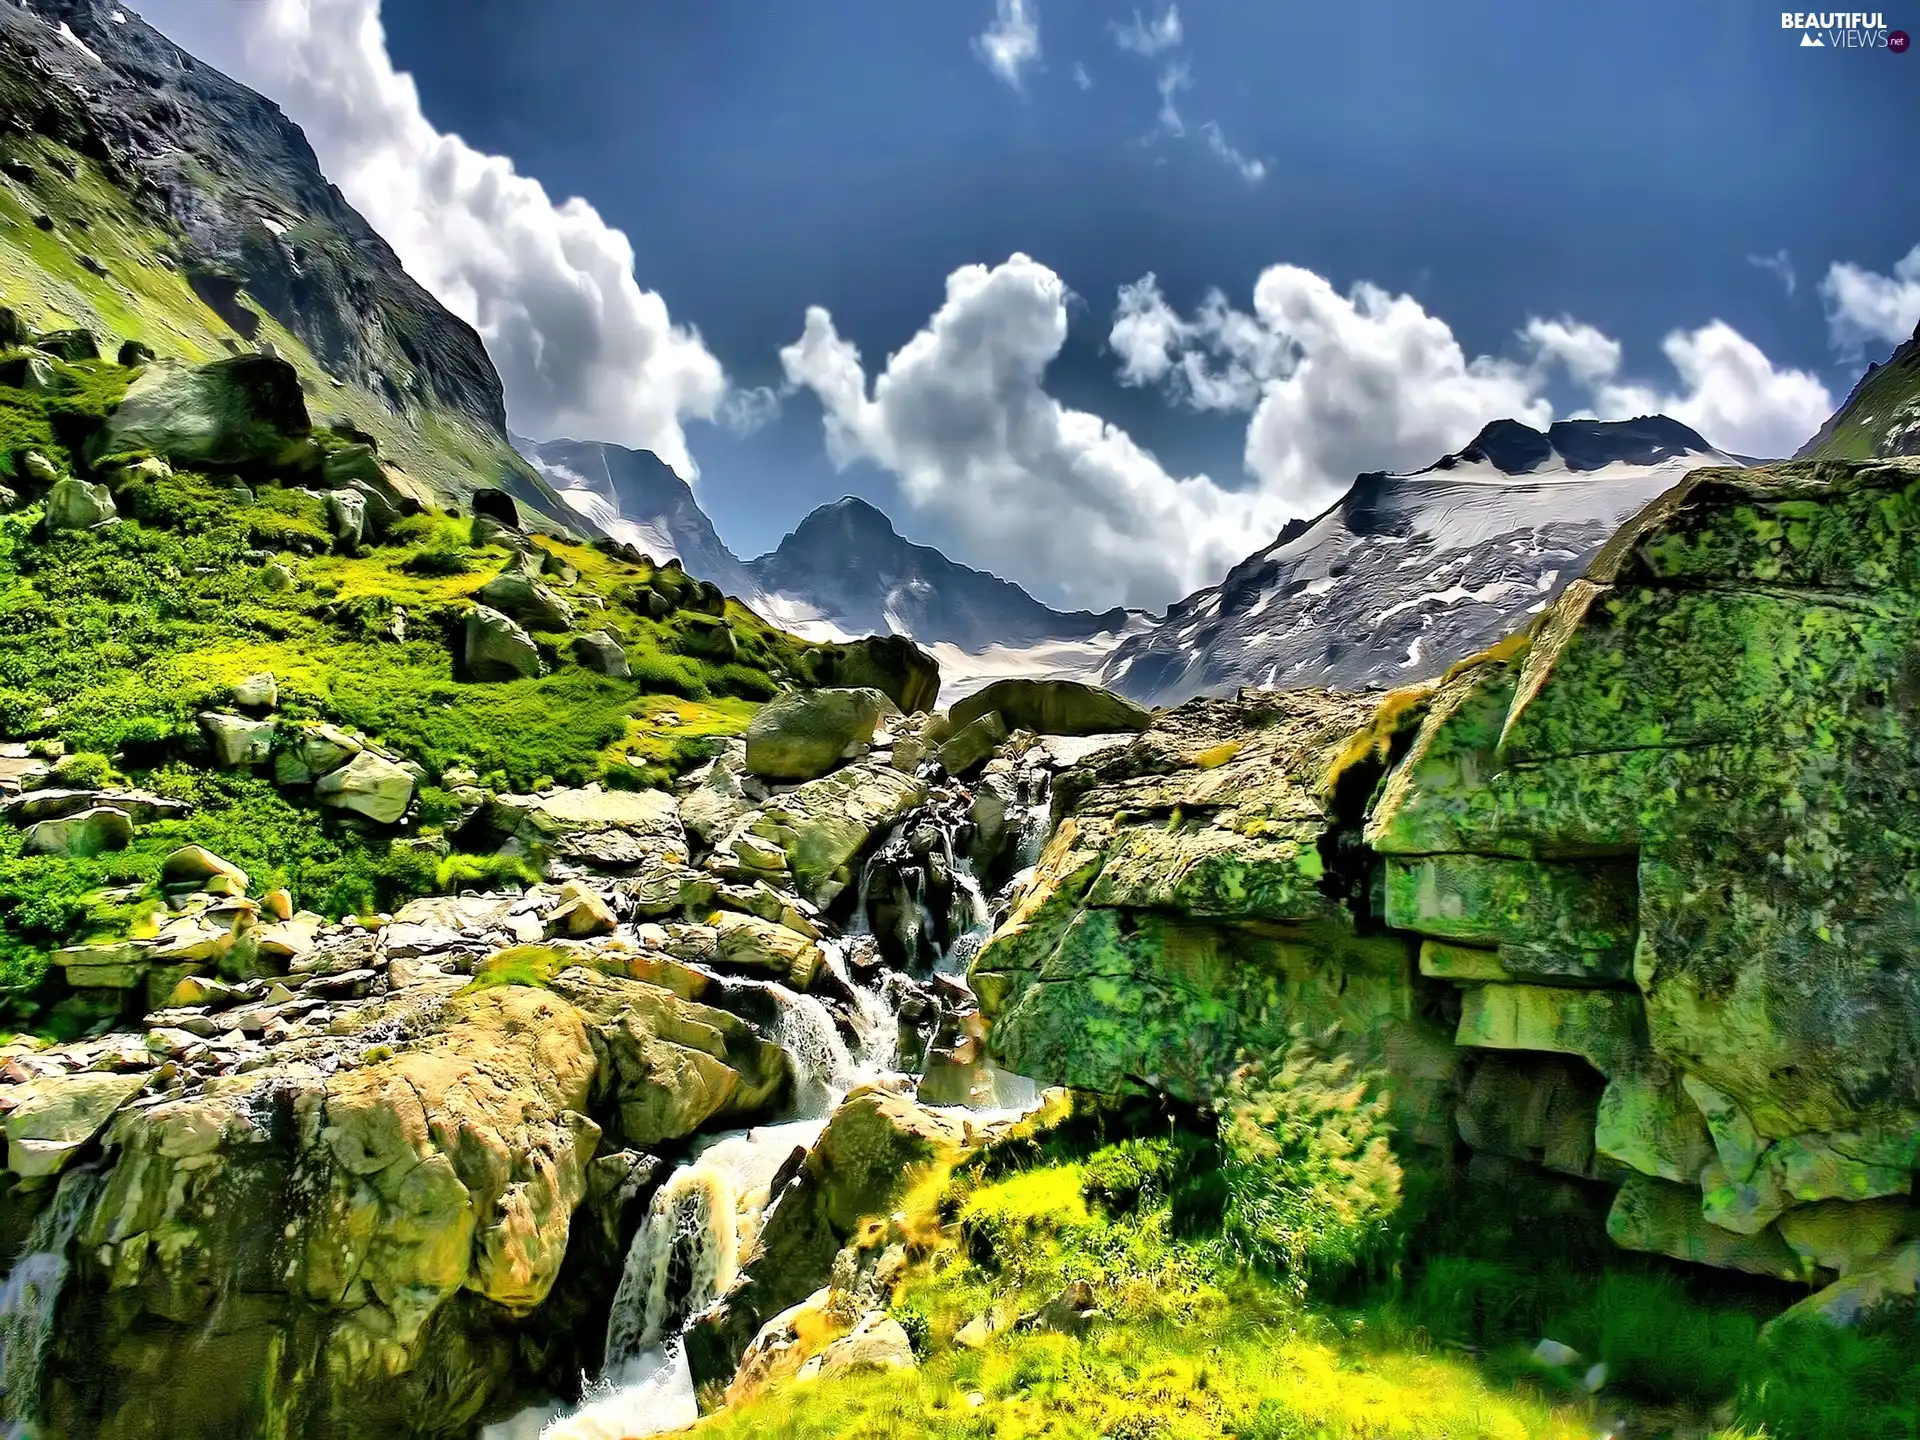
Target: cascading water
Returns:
[1036, 793]
[685, 1254]
[31, 1293]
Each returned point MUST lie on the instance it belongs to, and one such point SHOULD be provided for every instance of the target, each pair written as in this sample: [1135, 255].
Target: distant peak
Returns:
[1515, 448]
[849, 517]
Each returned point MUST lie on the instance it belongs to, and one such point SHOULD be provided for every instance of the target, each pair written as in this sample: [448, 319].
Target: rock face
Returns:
[385, 1197]
[1658, 847]
[805, 734]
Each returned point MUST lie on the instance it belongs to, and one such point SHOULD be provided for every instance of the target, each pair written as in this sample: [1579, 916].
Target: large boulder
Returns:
[498, 649]
[234, 413]
[85, 832]
[527, 600]
[607, 829]
[57, 1116]
[601, 653]
[806, 734]
[891, 664]
[748, 942]
[369, 785]
[238, 741]
[1052, 707]
[315, 750]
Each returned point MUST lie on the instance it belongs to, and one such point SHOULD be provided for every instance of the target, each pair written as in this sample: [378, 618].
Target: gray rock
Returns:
[601, 653]
[238, 741]
[90, 832]
[804, 735]
[241, 411]
[369, 785]
[498, 649]
[77, 505]
[347, 512]
[316, 750]
[257, 692]
[528, 601]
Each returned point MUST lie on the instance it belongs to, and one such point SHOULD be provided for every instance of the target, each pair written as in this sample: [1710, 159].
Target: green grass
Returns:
[533, 966]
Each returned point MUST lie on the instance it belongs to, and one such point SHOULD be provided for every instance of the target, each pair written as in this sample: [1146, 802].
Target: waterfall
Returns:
[31, 1292]
[1036, 813]
[823, 1068]
[876, 1020]
[691, 1235]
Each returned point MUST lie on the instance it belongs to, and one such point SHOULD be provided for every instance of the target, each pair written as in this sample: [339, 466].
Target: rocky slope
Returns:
[1880, 417]
[149, 196]
[1629, 898]
[1408, 573]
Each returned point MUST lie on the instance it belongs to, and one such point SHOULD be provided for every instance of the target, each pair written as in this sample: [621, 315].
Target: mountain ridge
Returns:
[1408, 572]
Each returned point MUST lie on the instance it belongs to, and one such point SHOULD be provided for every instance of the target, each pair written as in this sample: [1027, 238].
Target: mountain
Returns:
[634, 496]
[148, 195]
[1407, 573]
[1882, 415]
[846, 567]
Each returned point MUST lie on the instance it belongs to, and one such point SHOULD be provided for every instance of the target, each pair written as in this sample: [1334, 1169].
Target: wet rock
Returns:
[825, 824]
[55, 1117]
[973, 744]
[747, 942]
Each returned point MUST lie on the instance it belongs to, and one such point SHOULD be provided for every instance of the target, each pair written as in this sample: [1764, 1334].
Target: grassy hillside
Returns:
[1881, 416]
[114, 639]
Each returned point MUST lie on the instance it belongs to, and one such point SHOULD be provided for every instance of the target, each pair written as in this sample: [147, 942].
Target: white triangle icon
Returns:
[1812, 42]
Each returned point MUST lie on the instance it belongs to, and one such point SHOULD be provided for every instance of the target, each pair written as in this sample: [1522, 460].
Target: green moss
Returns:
[533, 966]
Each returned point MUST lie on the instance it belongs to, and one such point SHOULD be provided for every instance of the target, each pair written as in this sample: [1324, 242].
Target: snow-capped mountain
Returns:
[633, 496]
[844, 571]
[846, 566]
[1407, 573]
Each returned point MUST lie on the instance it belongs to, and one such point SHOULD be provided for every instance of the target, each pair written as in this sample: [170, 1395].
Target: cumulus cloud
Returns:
[1148, 37]
[1729, 391]
[1081, 77]
[961, 416]
[581, 348]
[1590, 357]
[1012, 41]
[1866, 309]
[1780, 266]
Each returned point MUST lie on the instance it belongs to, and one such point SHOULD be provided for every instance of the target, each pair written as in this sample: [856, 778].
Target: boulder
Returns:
[369, 785]
[257, 692]
[602, 654]
[524, 598]
[708, 637]
[750, 943]
[237, 740]
[876, 1342]
[57, 802]
[608, 829]
[56, 1116]
[717, 803]
[78, 505]
[315, 750]
[973, 745]
[498, 649]
[580, 913]
[85, 833]
[69, 345]
[347, 514]
[804, 735]
[30, 372]
[238, 412]
[1052, 707]
[891, 664]
[133, 354]
[195, 865]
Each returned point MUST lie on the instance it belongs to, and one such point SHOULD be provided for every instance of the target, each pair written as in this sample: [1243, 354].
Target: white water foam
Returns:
[31, 1293]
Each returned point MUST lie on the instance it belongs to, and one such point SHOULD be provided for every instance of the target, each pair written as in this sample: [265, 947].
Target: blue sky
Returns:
[1618, 167]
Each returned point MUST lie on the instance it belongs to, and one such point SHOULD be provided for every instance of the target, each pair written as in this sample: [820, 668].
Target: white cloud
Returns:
[1780, 266]
[1590, 357]
[748, 410]
[1148, 37]
[961, 416]
[1081, 77]
[1012, 41]
[581, 347]
[1176, 77]
[1252, 171]
[1729, 391]
[1865, 308]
